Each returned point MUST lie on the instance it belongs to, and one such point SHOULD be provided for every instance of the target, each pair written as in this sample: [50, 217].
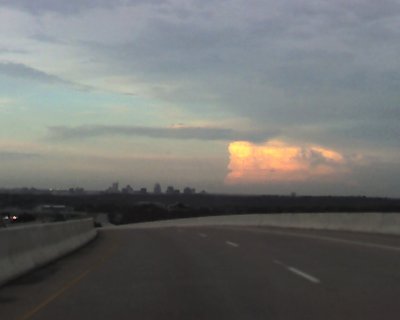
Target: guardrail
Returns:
[27, 247]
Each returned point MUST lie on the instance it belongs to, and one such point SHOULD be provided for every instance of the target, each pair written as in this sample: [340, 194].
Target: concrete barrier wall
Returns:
[383, 223]
[27, 247]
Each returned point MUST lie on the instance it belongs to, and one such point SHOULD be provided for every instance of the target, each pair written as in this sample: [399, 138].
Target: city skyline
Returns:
[226, 96]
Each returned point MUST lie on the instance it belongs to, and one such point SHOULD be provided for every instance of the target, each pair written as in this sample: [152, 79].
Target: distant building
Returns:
[157, 189]
[127, 189]
[170, 190]
[143, 190]
[114, 188]
[77, 190]
[188, 190]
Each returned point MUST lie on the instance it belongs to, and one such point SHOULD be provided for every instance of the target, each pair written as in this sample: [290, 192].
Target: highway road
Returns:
[215, 273]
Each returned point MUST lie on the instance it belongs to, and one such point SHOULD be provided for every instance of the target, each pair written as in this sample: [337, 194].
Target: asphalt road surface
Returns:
[215, 273]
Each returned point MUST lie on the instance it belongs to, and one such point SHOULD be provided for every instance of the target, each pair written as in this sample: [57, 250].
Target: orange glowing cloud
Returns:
[276, 161]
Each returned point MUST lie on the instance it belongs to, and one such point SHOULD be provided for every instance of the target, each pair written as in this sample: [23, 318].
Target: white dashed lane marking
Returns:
[232, 244]
[299, 272]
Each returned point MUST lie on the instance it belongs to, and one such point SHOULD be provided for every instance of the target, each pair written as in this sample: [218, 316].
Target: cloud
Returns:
[22, 71]
[7, 105]
[180, 132]
[19, 70]
[42, 6]
[323, 72]
[276, 161]
[6, 101]
[15, 156]
[69, 7]
[285, 62]
[4, 49]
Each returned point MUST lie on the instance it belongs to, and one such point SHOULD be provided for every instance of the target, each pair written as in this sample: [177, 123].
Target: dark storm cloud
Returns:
[19, 70]
[23, 71]
[41, 37]
[60, 133]
[303, 61]
[68, 7]
[362, 134]
[289, 64]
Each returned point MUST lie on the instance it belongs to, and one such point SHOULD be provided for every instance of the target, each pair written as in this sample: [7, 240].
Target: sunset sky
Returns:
[230, 96]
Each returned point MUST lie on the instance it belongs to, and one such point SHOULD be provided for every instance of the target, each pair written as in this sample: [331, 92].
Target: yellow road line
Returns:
[68, 285]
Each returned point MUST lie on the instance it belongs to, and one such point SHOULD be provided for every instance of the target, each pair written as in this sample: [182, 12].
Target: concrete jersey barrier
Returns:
[383, 223]
[27, 247]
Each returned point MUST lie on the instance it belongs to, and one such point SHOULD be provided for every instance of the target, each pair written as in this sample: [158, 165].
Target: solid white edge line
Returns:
[358, 243]
[325, 238]
[232, 244]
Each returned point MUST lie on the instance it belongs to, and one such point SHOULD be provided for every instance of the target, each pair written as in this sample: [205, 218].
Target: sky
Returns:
[230, 96]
